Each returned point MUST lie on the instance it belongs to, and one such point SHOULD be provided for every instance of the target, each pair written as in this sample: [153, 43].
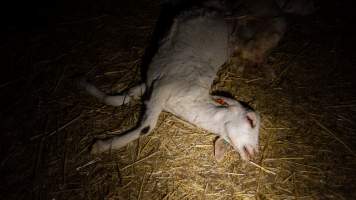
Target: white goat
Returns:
[180, 76]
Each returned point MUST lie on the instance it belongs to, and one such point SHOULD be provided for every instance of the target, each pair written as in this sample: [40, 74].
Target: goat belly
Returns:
[195, 46]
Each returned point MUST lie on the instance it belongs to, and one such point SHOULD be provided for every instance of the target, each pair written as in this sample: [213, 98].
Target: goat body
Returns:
[180, 76]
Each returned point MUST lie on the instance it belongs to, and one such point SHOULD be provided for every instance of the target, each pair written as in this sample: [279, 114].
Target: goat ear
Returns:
[252, 118]
[219, 149]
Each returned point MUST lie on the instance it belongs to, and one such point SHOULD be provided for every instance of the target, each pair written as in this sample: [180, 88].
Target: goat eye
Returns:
[250, 121]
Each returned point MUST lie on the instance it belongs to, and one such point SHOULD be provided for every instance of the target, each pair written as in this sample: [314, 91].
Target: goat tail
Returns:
[113, 100]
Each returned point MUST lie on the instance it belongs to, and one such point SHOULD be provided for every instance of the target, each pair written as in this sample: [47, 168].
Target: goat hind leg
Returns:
[146, 126]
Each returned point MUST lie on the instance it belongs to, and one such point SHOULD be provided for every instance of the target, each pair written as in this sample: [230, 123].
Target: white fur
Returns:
[181, 75]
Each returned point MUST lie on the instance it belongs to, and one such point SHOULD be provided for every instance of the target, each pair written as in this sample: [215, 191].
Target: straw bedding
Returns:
[307, 140]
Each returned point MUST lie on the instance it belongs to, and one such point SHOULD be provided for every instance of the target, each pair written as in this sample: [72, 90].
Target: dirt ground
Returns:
[308, 133]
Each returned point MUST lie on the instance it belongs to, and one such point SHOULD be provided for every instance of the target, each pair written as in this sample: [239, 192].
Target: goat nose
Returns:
[249, 151]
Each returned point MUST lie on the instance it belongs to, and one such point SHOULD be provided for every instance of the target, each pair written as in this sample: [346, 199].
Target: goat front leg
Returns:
[220, 147]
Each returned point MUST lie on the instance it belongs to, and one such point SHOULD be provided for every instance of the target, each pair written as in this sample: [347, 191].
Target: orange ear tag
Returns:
[221, 102]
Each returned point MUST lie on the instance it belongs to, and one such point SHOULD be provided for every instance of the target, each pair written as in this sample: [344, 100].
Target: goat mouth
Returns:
[249, 151]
